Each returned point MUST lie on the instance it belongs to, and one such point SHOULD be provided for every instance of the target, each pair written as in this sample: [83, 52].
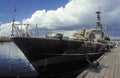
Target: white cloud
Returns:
[5, 29]
[75, 12]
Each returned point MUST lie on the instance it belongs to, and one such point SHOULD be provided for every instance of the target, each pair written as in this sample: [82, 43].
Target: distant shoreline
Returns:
[5, 39]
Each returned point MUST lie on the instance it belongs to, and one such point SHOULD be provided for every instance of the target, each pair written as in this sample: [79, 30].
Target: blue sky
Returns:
[64, 14]
[25, 8]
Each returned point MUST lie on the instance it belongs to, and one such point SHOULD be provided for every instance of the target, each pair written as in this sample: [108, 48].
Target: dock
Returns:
[109, 66]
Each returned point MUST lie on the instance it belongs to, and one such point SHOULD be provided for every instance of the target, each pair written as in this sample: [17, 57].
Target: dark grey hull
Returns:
[55, 56]
[63, 64]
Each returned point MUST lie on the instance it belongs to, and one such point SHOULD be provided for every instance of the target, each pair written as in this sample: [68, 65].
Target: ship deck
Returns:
[109, 66]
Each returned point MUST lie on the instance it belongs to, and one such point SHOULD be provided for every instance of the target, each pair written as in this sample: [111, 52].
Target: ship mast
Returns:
[98, 23]
[14, 10]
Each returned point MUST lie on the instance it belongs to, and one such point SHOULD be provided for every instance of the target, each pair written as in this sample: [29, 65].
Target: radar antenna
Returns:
[98, 23]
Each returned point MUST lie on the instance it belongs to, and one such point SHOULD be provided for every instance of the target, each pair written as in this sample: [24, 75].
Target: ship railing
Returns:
[33, 30]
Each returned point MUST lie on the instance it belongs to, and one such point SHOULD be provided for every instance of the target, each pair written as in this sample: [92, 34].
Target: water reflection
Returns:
[13, 63]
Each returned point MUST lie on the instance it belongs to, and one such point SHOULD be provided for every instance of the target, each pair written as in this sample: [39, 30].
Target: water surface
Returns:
[13, 63]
